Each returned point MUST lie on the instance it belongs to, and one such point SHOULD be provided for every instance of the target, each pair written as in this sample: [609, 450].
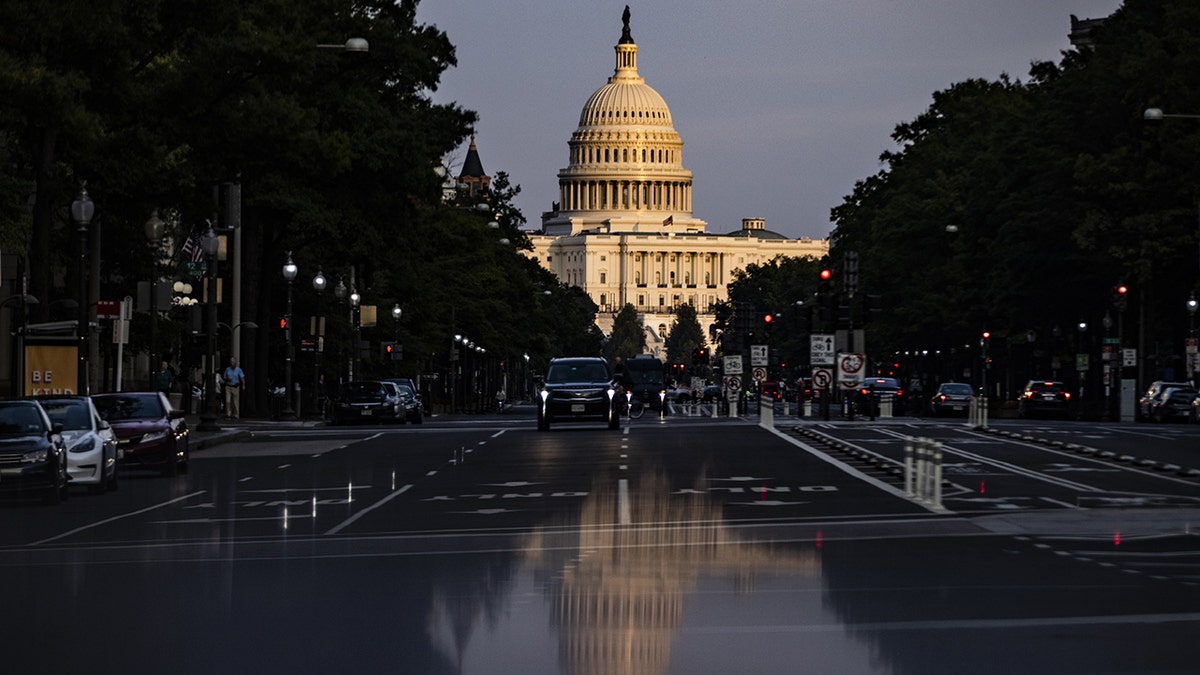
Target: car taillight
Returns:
[1067, 395]
[942, 397]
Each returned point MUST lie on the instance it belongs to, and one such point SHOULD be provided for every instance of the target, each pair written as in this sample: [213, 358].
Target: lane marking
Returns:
[623, 514]
[247, 478]
[120, 517]
[350, 521]
[307, 489]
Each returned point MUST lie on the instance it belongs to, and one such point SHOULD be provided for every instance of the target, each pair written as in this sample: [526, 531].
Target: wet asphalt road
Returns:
[684, 545]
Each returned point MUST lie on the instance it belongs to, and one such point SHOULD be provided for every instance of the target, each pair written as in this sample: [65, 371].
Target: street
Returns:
[673, 545]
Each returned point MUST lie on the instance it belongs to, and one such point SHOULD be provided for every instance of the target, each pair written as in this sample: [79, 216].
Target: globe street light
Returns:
[82, 210]
[289, 272]
[356, 318]
[318, 284]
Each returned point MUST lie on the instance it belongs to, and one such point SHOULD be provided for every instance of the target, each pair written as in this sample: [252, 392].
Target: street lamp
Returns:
[396, 312]
[82, 210]
[211, 244]
[318, 284]
[290, 270]
[356, 318]
[154, 234]
[351, 45]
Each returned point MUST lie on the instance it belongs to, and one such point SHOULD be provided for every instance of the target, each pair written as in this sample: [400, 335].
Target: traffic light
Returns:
[1120, 296]
[767, 318]
[391, 351]
[283, 322]
[700, 356]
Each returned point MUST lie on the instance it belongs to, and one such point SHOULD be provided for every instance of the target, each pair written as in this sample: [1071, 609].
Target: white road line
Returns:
[109, 520]
[308, 489]
[247, 478]
[499, 433]
[623, 514]
[1059, 502]
[350, 521]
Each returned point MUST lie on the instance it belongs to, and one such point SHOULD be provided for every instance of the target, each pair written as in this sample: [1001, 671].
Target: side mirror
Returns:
[176, 415]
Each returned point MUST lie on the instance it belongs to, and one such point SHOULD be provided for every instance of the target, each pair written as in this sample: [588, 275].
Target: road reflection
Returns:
[617, 589]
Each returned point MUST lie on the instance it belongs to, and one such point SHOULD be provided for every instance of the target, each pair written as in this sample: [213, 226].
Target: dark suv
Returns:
[1043, 397]
[577, 389]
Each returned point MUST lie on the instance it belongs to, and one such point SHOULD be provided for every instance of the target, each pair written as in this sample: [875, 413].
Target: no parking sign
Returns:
[851, 368]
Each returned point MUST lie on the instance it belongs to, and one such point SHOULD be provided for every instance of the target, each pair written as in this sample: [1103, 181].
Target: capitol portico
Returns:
[623, 229]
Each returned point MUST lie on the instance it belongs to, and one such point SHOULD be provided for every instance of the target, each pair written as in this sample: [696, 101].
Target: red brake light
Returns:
[1067, 395]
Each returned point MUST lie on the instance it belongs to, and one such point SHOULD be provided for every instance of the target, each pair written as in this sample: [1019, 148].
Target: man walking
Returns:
[235, 381]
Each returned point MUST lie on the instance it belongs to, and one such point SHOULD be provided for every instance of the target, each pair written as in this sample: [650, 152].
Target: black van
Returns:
[649, 379]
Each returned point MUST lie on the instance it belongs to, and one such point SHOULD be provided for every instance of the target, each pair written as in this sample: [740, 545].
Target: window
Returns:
[637, 277]
[603, 299]
[603, 275]
[641, 300]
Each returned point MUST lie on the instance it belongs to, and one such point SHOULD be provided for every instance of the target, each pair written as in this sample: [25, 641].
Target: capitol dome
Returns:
[625, 167]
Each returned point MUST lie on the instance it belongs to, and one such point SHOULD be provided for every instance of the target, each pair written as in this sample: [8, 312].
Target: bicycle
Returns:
[634, 407]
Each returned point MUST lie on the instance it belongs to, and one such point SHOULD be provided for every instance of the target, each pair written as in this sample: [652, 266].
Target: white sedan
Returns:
[92, 454]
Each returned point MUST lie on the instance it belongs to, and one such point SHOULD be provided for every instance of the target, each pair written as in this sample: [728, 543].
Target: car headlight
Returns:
[544, 394]
[154, 436]
[82, 445]
[35, 456]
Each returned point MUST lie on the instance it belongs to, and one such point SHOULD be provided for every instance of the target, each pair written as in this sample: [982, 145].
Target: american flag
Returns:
[670, 219]
[193, 251]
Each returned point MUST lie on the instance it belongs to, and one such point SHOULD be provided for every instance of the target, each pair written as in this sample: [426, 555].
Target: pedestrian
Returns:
[235, 382]
[501, 396]
[165, 378]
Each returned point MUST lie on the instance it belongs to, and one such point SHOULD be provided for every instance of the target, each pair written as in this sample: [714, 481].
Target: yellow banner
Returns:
[51, 369]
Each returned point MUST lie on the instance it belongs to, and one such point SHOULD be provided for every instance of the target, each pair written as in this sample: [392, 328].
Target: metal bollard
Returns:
[908, 467]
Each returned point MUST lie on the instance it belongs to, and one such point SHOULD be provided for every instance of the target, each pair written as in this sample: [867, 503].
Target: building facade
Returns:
[623, 228]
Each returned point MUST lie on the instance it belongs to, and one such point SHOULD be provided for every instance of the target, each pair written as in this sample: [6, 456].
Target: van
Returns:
[649, 379]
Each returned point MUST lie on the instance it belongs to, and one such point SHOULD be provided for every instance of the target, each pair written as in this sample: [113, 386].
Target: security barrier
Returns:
[977, 413]
[923, 470]
[766, 412]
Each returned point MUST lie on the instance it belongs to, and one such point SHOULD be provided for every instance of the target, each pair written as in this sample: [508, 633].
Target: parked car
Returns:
[150, 432]
[876, 388]
[33, 452]
[366, 401]
[1174, 404]
[92, 454]
[410, 400]
[1043, 397]
[577, 389]
[771, 388]
[712, 393]
[1153, 398]
[951, 398]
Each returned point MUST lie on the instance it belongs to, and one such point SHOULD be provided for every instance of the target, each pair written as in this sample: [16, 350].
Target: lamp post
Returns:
[318, 284]
[356, 318]
[290, 270]
[1190, 349]
[340, 292]
[1081, 359]
[154, 233]
[82, 210]
[211, 244]
[396, 312]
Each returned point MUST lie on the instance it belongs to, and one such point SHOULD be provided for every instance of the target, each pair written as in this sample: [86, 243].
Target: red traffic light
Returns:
[987, 334]
[388, 348]
[826, 274]
[1122, 289]
[283, 322]
[767, 318]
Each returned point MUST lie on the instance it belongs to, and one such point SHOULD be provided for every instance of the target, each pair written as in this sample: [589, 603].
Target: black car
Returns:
[1174, 404]
[951, 398]
[1149, 403]
[878, 389]
[577, 390]
[365, 401]
[33, 454]
[1043, 397]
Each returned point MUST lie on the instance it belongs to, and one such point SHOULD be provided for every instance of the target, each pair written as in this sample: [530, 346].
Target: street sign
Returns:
[733, 365]
[821, 350]
[851, 369]
[733, 383]
[1129, 357]
[759, 374]
[758, 355]
[822, 378]
[108, 309]
[1081, 362]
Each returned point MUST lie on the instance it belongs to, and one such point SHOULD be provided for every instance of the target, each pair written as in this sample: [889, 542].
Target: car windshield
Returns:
[72, 415]
[20, 419]
[577, 372]
[405, 390]
[364, 389]
[136, 407]
[957, 389]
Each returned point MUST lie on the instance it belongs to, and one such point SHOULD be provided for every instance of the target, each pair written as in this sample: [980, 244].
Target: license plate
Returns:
[576, 407]
[366, 413]
[958, 407]
[1048, 397]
